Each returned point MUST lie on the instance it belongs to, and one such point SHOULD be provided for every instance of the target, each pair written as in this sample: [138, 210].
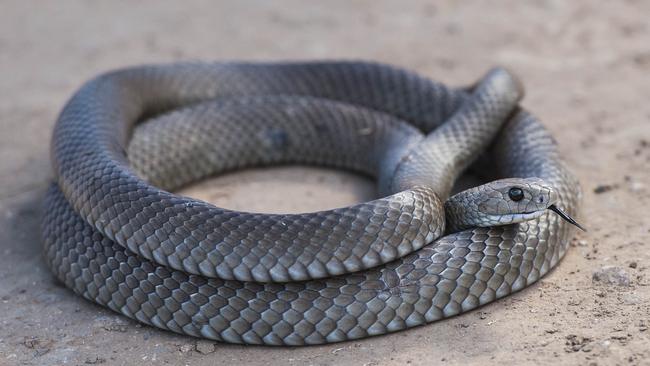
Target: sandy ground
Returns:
[587, 73]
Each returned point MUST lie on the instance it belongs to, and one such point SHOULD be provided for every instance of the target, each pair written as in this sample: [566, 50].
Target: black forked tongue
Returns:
[565, 216]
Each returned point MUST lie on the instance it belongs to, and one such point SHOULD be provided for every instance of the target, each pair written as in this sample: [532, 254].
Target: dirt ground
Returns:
[586, 67]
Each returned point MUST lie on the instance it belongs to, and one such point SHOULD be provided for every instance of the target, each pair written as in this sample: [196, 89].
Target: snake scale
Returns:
[115, 235]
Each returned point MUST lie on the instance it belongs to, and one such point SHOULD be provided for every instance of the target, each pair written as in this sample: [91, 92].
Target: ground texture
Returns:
[586, 67]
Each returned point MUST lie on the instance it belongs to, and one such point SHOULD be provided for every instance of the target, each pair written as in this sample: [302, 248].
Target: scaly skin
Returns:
[187, 266]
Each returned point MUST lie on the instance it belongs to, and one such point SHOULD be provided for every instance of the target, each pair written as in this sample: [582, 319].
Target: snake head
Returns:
[503, 202]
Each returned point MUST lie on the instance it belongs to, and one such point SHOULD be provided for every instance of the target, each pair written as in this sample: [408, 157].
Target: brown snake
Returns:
[115, 234]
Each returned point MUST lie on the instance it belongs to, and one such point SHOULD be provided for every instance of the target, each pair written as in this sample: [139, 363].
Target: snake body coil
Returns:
[115, 235]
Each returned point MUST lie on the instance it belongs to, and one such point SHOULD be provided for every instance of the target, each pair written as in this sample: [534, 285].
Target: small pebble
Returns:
[611, 275]
[575, 343]
[205, 347]
[637, 187]
[602, 188]
[186, 348]
[631, 299]
[41, 351]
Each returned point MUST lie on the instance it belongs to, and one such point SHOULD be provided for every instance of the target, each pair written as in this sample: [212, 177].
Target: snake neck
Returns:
[438, 159]
[460, 214]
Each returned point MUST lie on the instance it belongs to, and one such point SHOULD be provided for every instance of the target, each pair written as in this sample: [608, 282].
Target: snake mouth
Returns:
[527, 216]
[513, 218]
[565, 216]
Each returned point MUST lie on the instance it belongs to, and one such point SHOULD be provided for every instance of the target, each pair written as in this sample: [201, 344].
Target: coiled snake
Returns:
[115, 235]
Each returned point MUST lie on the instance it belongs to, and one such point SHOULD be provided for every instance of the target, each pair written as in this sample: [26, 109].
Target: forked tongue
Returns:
[565, 216]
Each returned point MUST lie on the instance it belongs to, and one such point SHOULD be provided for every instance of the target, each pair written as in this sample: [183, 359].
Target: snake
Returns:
[116, 234]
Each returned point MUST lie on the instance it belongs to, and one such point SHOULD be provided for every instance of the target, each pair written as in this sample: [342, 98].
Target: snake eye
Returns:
[516, 194]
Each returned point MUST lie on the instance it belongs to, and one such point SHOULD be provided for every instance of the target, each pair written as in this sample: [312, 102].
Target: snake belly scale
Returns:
[115, 235]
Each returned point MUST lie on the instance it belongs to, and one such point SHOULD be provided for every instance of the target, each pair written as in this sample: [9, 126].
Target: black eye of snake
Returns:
[516, 194]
